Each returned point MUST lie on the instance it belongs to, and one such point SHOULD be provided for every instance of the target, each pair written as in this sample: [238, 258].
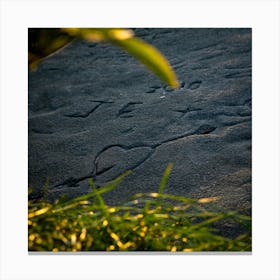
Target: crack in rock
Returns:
[114, 160]
[125, 157]
[86, 114]
[128, 108]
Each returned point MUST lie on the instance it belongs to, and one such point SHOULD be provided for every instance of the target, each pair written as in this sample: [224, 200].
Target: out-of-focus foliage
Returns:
[45, 41]
[147, 222]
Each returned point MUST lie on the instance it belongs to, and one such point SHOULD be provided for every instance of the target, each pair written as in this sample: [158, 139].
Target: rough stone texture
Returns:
[95, 112]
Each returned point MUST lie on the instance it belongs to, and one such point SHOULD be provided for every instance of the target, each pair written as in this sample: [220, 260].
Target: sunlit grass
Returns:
[146, 222]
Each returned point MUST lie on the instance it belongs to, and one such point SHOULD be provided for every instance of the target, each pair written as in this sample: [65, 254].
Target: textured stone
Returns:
[94, 112]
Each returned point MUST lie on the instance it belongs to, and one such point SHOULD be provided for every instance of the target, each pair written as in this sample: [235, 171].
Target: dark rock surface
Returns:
[95, 112]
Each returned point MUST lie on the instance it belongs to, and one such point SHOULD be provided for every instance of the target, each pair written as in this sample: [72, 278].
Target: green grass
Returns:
[146, 222]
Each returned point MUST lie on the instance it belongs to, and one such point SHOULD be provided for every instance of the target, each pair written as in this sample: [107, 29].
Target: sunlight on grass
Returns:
[146, 222]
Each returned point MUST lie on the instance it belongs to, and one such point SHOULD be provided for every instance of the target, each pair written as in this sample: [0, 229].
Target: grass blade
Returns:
[165, 177]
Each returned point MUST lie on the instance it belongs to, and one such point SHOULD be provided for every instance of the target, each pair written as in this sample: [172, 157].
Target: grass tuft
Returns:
[146, 222]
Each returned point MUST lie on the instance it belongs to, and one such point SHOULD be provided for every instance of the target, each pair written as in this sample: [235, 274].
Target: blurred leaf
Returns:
[99, 34]
[151, 58]
[45, 41]
[124, 38]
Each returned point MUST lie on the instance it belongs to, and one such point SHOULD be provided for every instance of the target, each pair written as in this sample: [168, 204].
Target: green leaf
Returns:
[45, 41]
[99, 34]
[151, 58]
[124, 38]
